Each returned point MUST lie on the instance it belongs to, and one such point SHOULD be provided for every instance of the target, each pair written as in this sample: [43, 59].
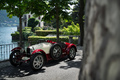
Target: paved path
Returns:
[63, 69]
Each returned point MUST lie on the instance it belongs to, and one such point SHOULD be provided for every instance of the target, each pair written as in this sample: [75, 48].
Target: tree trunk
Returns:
[101, 55]
[57, 22]
[20, 31]
[81, 23]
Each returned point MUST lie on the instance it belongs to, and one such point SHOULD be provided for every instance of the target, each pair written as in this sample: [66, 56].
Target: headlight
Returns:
[29, 50]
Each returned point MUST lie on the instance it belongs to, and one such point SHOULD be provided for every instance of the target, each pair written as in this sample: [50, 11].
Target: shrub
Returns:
[46, 32]
[71, 29]
[14, 34]
[50, 28]
[34, 39]
[25, 32]
[37, 28]
[33, 23]
[28, 28]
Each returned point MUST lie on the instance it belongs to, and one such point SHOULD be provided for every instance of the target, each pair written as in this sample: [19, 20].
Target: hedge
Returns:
[15, 36]
[46, 32]
[25, 33]
[34, 39]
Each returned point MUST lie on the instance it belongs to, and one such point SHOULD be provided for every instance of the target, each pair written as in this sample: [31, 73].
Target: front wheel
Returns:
[15, 58]
[72, 53]
[37, 61]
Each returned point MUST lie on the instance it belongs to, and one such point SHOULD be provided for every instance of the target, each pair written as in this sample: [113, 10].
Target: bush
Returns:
[33, 23]
[71, 30]
[25, 32]
[33, 39]
[28, 28]
[50, 28]
[45, 32]
[37, 28]
[15, 36]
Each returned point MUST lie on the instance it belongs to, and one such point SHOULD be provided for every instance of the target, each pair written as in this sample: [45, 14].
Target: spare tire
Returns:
[56, 52]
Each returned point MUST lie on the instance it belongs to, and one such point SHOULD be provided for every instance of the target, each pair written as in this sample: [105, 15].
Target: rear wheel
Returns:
[37, 61]
[72, 53]
[15, 58]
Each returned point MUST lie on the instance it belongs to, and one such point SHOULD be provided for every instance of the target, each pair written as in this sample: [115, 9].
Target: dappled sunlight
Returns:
[72, 64]
[22, 71]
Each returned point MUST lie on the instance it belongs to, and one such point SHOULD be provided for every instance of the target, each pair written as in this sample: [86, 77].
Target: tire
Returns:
[37, 61]
[56, 52]
[72, 53]
[15, 58]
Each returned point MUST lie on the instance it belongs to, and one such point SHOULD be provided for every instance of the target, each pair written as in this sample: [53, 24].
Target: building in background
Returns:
[26, 17]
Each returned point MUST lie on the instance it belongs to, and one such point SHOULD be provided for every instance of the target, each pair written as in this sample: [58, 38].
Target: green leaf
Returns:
[10, 15]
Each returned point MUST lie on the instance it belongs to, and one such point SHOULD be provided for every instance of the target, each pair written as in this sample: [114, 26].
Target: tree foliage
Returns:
[38, 7]
[16, 8]
[57, 5]
[2, 4]
[51, 9]
[57, 9]
[32, 23]
[74, 14]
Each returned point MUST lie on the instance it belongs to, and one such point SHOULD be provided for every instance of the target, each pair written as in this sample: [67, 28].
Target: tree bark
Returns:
[81, 23]
[57, 22]
[20, 31]
[101, 54]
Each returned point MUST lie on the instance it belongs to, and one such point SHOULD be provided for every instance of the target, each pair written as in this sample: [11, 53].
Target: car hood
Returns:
[45, 46]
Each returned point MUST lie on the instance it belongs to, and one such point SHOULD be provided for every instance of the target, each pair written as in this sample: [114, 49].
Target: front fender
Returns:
[42, 52]
[69, 47]
[18, 48]
[37, 50]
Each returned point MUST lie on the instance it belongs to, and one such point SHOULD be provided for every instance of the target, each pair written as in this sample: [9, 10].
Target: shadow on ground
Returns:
[25, 69]
[71, 64]
[20, 71]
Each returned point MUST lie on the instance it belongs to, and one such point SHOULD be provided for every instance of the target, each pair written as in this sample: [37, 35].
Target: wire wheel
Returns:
[56, 51]
[72, 53]
[37, 61]
[15, 58]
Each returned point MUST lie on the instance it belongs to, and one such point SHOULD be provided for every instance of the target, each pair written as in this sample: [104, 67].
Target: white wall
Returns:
[26, 18]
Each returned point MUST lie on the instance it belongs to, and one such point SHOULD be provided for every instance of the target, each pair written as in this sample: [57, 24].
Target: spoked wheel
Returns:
[15, 58]
[37, 61]
[56, 51]
[72, 53]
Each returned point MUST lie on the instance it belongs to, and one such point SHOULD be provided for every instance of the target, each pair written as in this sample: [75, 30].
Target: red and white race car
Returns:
[42, 52]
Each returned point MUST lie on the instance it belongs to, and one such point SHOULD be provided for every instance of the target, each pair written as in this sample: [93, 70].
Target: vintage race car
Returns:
[41, 53]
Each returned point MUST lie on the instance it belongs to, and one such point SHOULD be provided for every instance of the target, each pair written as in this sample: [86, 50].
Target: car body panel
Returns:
[45, 46]
[16, 48]
[69, 47]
